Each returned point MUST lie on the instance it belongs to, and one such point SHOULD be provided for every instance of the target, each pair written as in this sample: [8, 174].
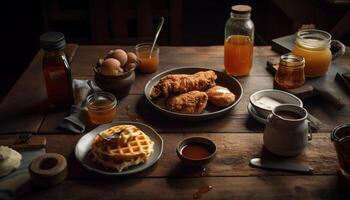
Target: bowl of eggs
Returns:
[115, 72]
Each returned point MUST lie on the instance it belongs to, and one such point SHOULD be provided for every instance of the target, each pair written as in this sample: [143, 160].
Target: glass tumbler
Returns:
[149, 63]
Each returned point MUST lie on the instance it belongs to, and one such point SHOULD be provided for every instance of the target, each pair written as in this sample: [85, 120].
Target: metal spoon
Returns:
[159, 28]
[115, 135]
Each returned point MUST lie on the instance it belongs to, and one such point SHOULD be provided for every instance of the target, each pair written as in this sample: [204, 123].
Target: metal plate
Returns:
[83, 148]
[210, 111]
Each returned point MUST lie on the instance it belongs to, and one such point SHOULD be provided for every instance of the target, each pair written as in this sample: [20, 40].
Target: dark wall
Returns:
[202, 23]
[21, 25]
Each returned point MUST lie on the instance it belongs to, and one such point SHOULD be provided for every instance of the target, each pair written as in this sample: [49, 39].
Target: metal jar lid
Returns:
[52, 41]
[292, 60]
[241, 9]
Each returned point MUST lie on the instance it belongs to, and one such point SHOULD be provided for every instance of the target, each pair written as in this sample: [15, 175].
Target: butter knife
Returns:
[280, 165]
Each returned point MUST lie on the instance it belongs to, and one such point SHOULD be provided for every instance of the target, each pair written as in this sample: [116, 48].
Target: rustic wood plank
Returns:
[271, 187]
[23, 108]
[238, 120]
[232, 159]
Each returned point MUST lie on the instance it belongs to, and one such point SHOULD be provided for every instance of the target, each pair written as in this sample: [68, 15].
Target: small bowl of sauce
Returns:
[196, 151]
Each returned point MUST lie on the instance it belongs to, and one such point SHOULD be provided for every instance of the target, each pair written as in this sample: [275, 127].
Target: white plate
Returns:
[255, 115]
[280, 96]
[83, 147]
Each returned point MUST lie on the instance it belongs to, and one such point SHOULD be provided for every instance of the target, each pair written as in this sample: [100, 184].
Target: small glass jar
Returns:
[290, 73]
[102, 107]
[314, 46]
[239, 41]
[149, 63]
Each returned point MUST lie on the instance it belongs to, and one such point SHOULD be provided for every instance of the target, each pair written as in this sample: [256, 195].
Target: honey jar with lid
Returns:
[56, 69]
[290, 72]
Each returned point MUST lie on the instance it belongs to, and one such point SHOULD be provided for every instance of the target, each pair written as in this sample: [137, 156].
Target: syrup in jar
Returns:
[56, 69]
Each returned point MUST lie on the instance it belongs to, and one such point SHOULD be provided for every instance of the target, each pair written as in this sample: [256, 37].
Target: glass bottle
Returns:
[56, 69]
[239, 41]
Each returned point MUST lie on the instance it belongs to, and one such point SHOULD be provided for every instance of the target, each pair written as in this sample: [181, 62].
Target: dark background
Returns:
[127, 22]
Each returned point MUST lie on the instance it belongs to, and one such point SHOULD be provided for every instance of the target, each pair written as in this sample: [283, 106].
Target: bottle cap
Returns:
[52, 41]
[241, 9]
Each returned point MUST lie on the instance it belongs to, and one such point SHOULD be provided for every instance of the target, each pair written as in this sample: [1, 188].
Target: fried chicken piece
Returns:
[181, 83]
[220, 96]
[188, 103]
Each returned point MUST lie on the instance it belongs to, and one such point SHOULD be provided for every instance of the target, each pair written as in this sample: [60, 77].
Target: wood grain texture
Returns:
[237, 136]
[269, 187]
[234, 153]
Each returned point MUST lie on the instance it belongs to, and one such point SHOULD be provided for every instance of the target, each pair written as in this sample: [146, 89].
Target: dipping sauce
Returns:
[288, 114]
[101, 107]
[196, 151]
[148, 63]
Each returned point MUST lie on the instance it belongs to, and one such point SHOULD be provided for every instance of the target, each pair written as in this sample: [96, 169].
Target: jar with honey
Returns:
[102, 107]
[290, 72]
[56, 69]
[314, 46]
[239, 41]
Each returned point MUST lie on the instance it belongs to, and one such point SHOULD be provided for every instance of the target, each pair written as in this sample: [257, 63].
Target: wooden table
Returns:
[237, 136]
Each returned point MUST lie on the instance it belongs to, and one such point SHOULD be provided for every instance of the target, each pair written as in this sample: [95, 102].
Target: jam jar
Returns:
[102, 107]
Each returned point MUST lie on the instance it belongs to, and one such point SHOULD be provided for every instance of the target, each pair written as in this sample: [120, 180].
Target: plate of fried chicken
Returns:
[193, 93]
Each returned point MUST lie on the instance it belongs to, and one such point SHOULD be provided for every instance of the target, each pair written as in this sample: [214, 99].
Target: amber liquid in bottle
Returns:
[238, 55]
[57, 78]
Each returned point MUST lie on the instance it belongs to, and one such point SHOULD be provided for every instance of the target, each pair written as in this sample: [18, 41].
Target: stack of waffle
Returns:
[132, 147]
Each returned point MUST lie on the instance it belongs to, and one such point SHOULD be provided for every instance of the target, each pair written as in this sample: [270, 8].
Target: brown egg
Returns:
[120, 55]
[110, 67]
[131, 57]
[130, 66]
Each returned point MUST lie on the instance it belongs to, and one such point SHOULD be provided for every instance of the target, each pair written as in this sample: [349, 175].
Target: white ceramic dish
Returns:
[255, 115]
[264, 101]
[83, 147]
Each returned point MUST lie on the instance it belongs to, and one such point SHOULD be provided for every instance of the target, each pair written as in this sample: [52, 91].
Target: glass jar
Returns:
[102, 107]
[148, 63]
[314, 46]
[56, 69]
[290, 73]
[239, 41]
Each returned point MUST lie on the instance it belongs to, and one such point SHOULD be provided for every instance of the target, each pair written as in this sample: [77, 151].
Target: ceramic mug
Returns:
[341, 139]
[287, 130]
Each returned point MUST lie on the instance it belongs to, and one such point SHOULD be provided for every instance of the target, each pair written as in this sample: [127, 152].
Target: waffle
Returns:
[132, 148]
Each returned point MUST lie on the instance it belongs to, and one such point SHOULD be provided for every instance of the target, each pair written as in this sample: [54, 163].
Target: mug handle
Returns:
[337, 48]
[309, 134]
[269, 118]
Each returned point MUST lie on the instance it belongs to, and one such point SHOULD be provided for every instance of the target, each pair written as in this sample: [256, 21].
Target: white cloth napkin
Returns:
[77, 119]
[16, 183]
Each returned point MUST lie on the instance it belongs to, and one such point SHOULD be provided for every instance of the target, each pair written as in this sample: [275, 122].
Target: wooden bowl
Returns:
[118, 85]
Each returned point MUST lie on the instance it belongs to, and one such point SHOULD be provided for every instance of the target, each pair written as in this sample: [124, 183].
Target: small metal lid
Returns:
[241, 9]
[52, 41]
[292, 60]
